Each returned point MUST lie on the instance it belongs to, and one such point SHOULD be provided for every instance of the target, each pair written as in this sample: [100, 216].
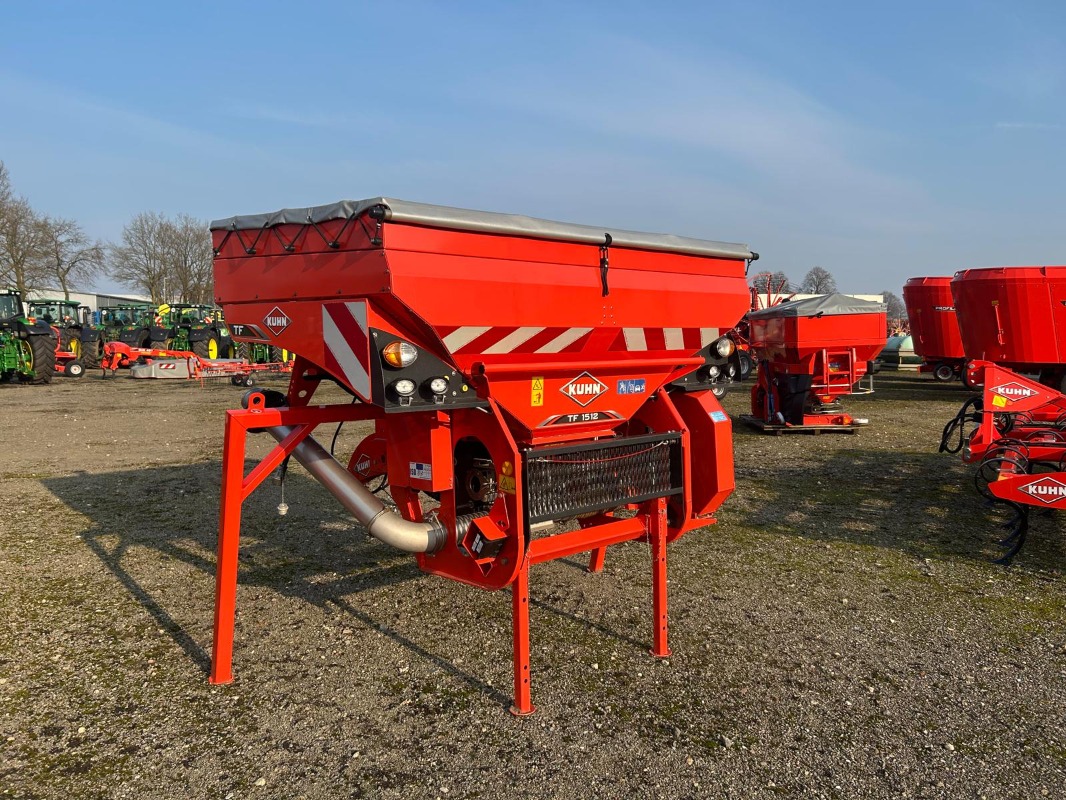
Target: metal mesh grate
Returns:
[564, 481]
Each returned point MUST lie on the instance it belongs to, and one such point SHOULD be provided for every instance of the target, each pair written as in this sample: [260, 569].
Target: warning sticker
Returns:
[420, 471]
[506, 483]
[999, 400]
[536, 392]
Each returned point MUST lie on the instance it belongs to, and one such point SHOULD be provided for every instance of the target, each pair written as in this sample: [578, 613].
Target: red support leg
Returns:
[229, 531]
[523, 703]
[657, 538]
[596, 559]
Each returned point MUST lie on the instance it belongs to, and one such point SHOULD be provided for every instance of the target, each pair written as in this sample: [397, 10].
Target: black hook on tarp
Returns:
[605, 263]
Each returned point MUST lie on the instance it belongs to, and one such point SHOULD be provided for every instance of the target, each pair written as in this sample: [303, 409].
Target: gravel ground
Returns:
[842, 632]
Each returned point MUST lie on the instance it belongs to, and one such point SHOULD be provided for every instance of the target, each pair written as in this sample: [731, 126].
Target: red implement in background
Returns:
[538, 389]
[1015, 317]
[812, 352]
[934, 327]
[1018, 443]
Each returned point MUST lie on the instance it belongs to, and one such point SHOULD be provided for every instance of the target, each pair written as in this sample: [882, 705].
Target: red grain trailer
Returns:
[1015, 317]
[934, 326]
[519, 372]
[812, 352]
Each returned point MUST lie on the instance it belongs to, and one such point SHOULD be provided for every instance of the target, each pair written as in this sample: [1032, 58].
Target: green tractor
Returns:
[130, 323]
[200, 329]
[27, 346]
[74, 323]
[256, 353]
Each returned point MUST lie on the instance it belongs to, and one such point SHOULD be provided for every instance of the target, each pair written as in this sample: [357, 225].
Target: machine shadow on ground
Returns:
[173, 512]
[924, 505]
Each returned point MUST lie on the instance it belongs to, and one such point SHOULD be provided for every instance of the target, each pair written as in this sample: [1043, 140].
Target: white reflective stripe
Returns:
[564, 339]
[707, 335]
[358, 309]
[635, 339]
[512, 340]
[675, 338]
[461, 337]
[337, 345]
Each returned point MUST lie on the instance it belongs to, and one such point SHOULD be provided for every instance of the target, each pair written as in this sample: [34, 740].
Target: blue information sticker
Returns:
[719, 416]
[632, 386]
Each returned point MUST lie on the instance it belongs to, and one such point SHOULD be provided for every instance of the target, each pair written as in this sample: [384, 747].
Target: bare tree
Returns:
[22, 246]
[141, 261]
[192, 258]
[5, 185]
[895, 308]
[71, 256]
[777, 282]
[170, 260]
[818, 281]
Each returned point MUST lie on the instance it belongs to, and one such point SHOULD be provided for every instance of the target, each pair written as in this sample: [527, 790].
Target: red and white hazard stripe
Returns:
[497, 340]
[469, 339]
[347, 339]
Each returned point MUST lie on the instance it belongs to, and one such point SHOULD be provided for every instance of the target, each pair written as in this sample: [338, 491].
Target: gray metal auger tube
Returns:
[384, 525]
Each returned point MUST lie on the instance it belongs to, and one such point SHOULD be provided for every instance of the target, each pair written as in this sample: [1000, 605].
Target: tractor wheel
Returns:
[42, 351]
[93, 354]
[207, 348]
[944, 372]
[74, 369]
[70, 341]
[242, 350]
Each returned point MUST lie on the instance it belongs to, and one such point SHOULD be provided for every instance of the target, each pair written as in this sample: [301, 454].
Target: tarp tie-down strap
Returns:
[605, 262]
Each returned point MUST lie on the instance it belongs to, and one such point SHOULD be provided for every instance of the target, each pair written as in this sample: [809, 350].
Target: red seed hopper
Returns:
[934, 326]
[1015, 317]
[811, 353]
[538, 389]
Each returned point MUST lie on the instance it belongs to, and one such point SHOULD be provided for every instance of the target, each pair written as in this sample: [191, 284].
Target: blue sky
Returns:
[880, 141]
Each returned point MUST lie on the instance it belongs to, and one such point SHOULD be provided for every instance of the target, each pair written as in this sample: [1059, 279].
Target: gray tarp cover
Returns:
[486, 222]
[827, 305]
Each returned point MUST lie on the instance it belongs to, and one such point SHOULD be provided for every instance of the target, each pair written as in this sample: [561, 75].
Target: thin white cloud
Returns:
[1030, 126]
[723, 111]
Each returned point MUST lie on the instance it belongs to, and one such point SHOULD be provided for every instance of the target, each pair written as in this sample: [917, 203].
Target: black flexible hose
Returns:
[970, 412]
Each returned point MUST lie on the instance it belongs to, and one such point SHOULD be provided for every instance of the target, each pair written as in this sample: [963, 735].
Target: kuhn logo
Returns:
[1014, 391]
[1046, 490]
[362, 466]
[276, 321]
[584, 389]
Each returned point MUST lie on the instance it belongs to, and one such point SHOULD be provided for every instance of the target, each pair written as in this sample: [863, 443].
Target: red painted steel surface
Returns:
[477, 299]
[1014, 316]
[934, 325]
[529, 331]
[797, 340]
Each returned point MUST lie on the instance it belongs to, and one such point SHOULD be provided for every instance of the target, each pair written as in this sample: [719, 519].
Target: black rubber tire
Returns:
[719, 389]
[92, 353]
[74, 369]
[944, 372]
[202, 348]
[70, 341]
[44, 357]
[965, 377]
[249, 380]
[747, 364]
[242, 350]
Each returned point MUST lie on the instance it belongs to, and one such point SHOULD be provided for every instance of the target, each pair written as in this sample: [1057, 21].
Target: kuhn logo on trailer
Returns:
[1046, 490]
[1014, 391]
[584, 389]
[276, 320]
